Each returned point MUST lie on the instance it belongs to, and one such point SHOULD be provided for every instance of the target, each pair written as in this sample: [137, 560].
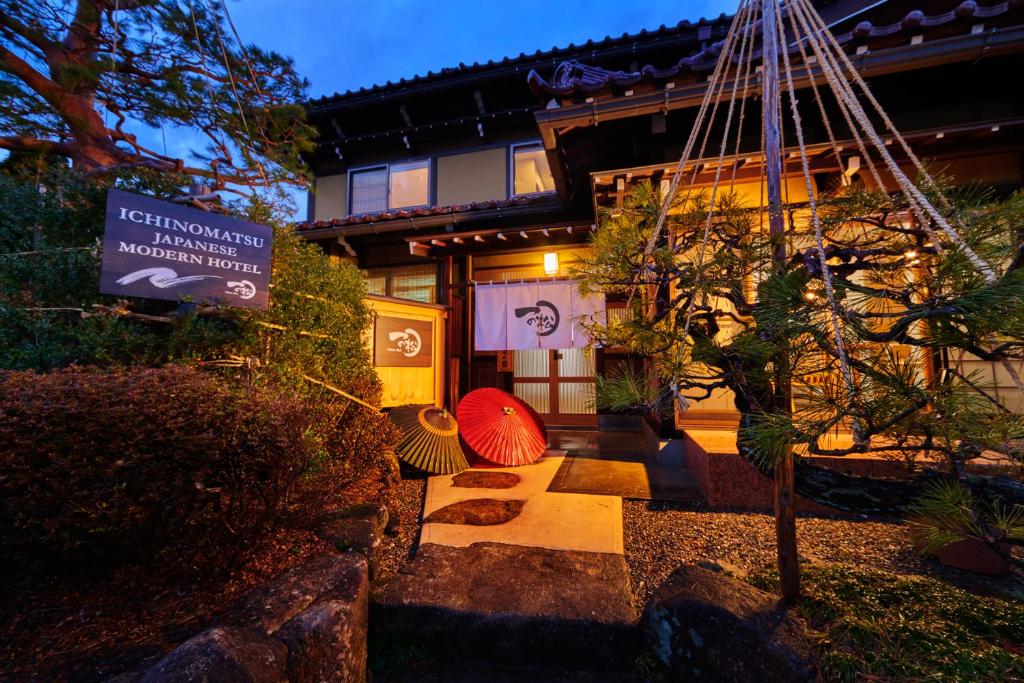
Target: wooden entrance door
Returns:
[557, 384]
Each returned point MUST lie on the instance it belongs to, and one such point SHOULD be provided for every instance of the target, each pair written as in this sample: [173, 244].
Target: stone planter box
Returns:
[633, 423]
[971, 555]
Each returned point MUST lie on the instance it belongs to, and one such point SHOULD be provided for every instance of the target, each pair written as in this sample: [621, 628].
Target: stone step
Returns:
[513, 605]
[474, 672]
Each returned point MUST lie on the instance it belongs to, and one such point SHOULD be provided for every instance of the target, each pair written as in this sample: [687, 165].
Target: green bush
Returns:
[142, 464]
[49, 288]
[873, 625]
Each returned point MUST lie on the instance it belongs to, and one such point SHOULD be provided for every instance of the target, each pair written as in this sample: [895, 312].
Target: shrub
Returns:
[130, 465]
[49, 284]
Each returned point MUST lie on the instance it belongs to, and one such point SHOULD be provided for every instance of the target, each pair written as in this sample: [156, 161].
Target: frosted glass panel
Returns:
[369, 191]
[410, 184]
[538, 395]
[617, 315]
[532, 363]
[576, 398]
[576, 363]
[532, 173]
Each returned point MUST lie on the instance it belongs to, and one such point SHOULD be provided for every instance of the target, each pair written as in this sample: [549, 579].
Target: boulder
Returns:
[972, 555]
[327, 642]
[512, 605]
[223, 655]
[268, 608]
[358, 529]
[704, 624]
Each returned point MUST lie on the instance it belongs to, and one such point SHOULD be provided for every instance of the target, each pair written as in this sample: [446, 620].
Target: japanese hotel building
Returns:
[437, 184]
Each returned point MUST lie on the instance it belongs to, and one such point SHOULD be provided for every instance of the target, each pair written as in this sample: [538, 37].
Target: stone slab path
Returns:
[547, 587]
[559, 521]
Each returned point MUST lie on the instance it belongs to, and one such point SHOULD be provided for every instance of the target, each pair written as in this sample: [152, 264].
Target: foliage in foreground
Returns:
[104, 467]
[77, 77]
[714, 309]
[869, 624]
[52, 315]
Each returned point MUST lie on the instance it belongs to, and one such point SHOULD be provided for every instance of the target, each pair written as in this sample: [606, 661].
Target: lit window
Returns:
[395, 187]
[409, 184]
[377, 285]
[530, 170]
[369, 191]
[416, 283]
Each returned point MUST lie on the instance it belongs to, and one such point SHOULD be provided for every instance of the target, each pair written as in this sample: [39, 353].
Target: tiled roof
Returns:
[523, 59]
[402, 214]
[573, 77]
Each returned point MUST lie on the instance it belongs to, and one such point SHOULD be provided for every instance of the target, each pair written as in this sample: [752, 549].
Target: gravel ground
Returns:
[660, 537]
[405, 500]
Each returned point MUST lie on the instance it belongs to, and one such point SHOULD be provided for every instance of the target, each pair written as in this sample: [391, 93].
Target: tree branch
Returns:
[29, 143]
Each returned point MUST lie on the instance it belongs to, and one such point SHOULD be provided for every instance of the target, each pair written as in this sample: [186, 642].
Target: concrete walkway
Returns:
[559, 521]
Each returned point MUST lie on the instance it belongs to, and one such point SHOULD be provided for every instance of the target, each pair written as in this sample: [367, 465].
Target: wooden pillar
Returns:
[785, 493]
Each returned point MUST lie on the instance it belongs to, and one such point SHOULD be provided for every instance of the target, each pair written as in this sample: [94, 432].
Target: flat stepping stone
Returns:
[560, 521]
[477, 512]
[474, 479]
[515, 605]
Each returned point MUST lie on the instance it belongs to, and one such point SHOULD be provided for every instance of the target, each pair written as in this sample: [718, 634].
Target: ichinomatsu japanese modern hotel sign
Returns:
[159, 250]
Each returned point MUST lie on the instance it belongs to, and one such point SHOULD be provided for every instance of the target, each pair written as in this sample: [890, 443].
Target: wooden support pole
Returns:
[785, 494]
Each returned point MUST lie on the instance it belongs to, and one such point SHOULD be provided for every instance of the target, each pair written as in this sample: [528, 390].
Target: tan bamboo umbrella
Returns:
[430, 439]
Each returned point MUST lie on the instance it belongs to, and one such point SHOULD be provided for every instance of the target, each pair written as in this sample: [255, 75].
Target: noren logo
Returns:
[542, 316]
[408, 342]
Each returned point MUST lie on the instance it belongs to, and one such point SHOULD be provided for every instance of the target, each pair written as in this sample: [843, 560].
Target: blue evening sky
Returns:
[347, 44]
[342, 45]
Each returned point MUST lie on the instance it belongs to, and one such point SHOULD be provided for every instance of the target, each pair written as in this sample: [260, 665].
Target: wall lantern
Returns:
[551, 263]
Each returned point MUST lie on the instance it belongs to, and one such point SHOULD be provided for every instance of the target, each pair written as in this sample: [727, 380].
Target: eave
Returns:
[961, 48]
[443, 218]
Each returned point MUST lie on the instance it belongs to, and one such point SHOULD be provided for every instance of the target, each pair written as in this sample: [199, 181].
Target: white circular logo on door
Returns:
[407, 342]
[543, 317]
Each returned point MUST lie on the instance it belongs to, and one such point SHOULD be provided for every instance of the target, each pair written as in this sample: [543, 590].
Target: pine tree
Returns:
[80, 79]
[904, 301]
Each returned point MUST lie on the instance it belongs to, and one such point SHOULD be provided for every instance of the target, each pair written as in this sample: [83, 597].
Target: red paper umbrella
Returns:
[501, 428]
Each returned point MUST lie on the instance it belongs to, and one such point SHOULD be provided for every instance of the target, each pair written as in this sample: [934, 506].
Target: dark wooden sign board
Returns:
[506, 361]
[403, 342]
[160, 250]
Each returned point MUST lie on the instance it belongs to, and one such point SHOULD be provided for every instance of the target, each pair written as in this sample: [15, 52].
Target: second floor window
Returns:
[390, 187]
[530, 170]
[416, 283]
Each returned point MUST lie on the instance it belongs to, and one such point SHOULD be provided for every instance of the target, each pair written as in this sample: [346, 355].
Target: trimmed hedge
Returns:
[134, 465]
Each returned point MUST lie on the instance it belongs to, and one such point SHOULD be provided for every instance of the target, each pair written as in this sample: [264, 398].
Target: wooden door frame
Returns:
[553, 380]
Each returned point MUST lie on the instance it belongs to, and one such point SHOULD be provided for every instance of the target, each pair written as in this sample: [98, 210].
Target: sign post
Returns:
[158, 250]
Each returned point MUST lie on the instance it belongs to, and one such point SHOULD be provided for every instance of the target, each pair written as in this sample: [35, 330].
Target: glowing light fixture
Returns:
[551, 263]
